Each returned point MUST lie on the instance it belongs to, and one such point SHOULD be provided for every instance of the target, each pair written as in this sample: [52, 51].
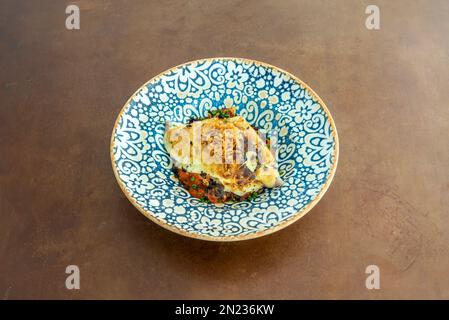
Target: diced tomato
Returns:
[212, 198]
[189, 179]
[183, 176]
[197, 193]
[199, 187]
[195, 179]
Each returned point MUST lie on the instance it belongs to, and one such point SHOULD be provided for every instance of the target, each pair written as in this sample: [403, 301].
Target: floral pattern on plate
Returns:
[269, 99]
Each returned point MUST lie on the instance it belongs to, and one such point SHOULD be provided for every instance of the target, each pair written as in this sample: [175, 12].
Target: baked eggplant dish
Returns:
[221, 158]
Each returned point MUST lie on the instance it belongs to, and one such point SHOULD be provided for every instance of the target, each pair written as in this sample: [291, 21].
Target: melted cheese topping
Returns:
[229, 150]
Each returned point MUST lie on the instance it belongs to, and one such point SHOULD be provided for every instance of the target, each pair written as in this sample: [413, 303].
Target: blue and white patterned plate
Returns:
[268, 98]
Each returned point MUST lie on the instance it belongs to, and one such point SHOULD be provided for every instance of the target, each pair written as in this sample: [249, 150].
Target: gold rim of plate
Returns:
[298, 215]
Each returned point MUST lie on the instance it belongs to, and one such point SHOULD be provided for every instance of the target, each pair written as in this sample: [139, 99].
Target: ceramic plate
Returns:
[269, 99]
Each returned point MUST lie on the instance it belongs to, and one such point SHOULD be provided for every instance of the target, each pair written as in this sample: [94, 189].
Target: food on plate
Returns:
[221, 158]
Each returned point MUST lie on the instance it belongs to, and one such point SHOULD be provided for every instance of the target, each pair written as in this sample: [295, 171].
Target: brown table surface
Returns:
[60, 94]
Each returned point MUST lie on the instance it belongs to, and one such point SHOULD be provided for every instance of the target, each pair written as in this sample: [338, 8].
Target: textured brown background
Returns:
[61, 91]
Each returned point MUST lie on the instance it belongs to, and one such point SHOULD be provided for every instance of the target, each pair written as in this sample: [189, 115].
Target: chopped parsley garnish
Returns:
[253, 196]
[204, 199]
[221, 113]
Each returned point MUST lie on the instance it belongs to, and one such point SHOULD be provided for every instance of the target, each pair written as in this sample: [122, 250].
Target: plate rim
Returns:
[295, 217]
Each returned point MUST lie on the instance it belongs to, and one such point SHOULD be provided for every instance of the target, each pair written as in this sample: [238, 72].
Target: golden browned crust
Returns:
[228, 149]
